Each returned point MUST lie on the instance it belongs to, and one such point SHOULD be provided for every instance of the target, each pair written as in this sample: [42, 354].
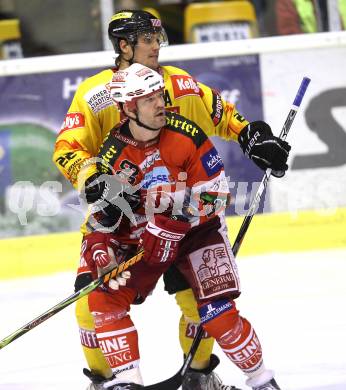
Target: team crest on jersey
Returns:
[184, 85]
[98, 98]
[214, 270]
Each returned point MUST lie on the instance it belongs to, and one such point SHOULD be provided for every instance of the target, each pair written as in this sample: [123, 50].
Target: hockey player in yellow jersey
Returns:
[137, 37]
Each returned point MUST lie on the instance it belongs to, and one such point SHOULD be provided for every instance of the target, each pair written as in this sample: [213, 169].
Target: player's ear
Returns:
[129, 109]
[124, 46]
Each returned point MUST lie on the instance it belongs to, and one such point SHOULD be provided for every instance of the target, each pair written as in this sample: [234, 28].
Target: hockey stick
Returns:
[72, 298]
[175, 381]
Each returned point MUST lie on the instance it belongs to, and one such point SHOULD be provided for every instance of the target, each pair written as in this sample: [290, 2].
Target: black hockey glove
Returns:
[263, 148]
[105, 189]
[94, 188]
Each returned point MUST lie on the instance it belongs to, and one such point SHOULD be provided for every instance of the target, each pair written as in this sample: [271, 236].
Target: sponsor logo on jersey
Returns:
[158, 176]
[234, 334]
[184, 85]
[150, 160]
[214, 309]
[98, 98]
[74, 169]
[217, 113]
[109, 154]
[212, 162]
[114, 344]
[118, 349]
[125, 139]
[247, 356]
[191, 331]
[102, 319]
[119, 358]
[214, 270]
[182, 123]
[88, 338]
[73, 120]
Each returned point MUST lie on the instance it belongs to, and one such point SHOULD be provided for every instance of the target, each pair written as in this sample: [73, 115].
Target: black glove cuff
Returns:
[82, 280]
[94, 192]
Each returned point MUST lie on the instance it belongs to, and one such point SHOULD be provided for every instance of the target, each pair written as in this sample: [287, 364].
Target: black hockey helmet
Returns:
[128, 24]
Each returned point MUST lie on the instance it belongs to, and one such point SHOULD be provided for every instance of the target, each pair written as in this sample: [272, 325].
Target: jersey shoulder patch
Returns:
[95, 91]
[182, 125]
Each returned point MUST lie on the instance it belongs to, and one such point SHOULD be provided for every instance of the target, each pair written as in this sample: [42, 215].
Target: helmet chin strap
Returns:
[130, 61]
[140, 123]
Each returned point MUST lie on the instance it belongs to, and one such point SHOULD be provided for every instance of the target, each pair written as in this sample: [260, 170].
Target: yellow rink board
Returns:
[39, 255]
[284, 232]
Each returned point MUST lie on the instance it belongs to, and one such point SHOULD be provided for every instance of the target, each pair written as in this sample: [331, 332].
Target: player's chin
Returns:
[153, 62]
[160, 120]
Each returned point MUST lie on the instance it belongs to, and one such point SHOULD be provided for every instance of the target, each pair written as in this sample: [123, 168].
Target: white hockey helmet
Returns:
[133, 83]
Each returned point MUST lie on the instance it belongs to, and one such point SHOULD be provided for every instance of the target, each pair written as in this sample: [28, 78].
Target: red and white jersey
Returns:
[171, 171]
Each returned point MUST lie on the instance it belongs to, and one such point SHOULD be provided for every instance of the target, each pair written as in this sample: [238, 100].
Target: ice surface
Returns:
[296, 303]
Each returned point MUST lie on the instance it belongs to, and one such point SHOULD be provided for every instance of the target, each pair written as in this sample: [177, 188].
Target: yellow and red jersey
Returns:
[93, 114]
[171, 171]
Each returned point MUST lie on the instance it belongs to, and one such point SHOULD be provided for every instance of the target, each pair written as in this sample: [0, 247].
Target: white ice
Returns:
[296, 303]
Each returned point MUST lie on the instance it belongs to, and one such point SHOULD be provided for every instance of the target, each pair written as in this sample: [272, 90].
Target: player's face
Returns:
[151, 110]
[147, 50]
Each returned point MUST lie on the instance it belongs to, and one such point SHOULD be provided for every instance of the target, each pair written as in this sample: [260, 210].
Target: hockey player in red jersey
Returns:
[152, 150]
[137, 36]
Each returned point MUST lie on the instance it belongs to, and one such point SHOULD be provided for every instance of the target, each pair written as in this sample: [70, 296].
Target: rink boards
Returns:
[268, 233]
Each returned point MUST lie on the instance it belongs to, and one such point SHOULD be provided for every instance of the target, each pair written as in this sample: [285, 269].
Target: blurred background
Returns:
[60, 27]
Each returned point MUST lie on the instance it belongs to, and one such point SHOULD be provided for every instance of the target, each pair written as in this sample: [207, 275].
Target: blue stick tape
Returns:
[301, 91]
